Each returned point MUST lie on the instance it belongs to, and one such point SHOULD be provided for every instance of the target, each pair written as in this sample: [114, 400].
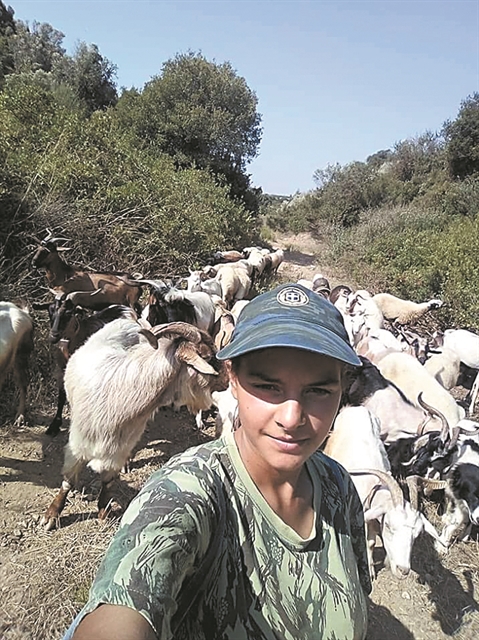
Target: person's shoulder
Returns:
[195, 469]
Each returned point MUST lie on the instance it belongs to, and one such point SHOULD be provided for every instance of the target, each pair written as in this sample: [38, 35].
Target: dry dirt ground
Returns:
[44, 577]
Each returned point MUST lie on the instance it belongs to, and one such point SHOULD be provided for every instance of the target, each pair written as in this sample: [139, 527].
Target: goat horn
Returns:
[435, 413]
[173, 329]
[468, 432]
[150, 336]
[387, 479]
[413, 485]
[430, 483]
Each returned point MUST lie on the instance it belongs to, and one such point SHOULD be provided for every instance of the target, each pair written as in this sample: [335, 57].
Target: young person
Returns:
[256, 535]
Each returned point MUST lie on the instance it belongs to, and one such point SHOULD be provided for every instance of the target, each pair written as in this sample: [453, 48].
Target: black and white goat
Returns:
[355, 442]
[169, 304]
[116, 381]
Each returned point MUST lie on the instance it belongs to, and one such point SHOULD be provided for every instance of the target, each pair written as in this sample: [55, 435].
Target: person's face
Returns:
[287, 401]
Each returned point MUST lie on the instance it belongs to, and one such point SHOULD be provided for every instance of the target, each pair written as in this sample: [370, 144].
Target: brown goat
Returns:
[93, 290]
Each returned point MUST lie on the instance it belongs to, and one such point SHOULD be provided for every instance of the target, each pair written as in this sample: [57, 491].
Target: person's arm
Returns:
[113, 622]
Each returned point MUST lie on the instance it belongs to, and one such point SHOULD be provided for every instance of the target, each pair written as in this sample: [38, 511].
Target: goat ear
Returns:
[63, 249]
[373, 514]
[187, 354]
[152, 339]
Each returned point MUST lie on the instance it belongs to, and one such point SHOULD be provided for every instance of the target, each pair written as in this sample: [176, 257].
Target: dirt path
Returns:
[44, 577]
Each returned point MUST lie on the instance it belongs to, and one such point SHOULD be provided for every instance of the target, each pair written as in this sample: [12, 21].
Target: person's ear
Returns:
[232, 378]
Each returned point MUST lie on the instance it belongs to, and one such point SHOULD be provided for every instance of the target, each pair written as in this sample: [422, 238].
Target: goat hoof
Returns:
[53, 430]
[19, 421]
[48, 523]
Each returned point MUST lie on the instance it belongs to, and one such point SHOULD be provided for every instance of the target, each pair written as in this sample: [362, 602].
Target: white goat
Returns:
[445, 367]
[256, 258]
[16, 344]
[403, 311]
[355, 442]
[195, 283]
[116, 381]
[362, 303]
[409, 375]
[235, 283]
[466, 344]
[273, 260]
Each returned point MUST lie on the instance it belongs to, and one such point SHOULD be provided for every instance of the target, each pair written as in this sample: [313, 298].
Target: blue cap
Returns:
[291, 316]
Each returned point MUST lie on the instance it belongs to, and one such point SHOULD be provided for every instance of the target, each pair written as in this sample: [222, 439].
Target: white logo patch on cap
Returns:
[292, 297]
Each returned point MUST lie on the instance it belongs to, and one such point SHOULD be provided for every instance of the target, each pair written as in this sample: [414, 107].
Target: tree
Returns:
[7, 30]
[36, 47]
[462, 139]
[90, 75]
[200, 113]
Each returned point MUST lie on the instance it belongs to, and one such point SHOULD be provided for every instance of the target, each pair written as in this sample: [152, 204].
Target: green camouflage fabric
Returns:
[202, 556]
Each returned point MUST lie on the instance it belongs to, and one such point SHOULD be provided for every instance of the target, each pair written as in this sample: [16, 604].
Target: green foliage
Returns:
[462, 137]
[36, 47]
[121, 207]
[90, 76]
[416, 254]
[200, 113]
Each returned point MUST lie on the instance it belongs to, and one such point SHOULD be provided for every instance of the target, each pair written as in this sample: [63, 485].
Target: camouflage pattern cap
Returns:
[291, 316]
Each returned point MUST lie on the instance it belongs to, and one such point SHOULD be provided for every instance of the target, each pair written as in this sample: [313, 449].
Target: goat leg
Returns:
[105, 499]
[56, 423]
[52, 514]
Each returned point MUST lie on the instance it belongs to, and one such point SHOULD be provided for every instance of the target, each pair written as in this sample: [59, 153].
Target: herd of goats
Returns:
[399, 432]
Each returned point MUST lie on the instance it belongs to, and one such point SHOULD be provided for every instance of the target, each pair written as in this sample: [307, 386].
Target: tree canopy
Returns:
[199, 112]
[462, 136]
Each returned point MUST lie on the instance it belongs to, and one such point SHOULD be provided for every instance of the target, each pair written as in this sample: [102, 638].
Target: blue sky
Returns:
[336, 80]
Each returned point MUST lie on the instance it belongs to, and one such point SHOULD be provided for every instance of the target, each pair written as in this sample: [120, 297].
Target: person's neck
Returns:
[290, 495]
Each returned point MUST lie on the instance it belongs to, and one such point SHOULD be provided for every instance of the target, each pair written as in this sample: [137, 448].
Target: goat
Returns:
[256, 258]
[461, 484]
[399, 417]
[402, 311]
[16, 344]
[355, 442]
[227, 406]
[273, 261]
[238, 307]
[194, 283]
[69, 330]
[116, 381]
[362, 303]
[412, 378]
[227, 256]
[93, 290]
[235, 284]
[319, 284]
[466, 345]
[340, 291]
[168, 304]
[445, 367]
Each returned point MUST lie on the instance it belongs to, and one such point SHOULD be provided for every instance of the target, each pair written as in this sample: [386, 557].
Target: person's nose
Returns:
[290, 415]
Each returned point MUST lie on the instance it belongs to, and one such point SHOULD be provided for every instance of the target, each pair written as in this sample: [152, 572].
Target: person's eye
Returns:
[319, 391]
[265, 387]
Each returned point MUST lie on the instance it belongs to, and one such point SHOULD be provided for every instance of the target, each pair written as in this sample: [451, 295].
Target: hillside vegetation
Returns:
[154, 180]
[406, 220]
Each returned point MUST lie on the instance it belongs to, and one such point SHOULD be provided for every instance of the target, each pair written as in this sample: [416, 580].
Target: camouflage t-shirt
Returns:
[202, 556]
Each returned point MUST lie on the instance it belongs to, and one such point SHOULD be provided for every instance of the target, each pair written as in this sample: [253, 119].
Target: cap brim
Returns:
[298, 336]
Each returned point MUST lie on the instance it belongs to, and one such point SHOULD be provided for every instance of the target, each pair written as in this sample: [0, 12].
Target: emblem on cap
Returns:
[292, 297]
